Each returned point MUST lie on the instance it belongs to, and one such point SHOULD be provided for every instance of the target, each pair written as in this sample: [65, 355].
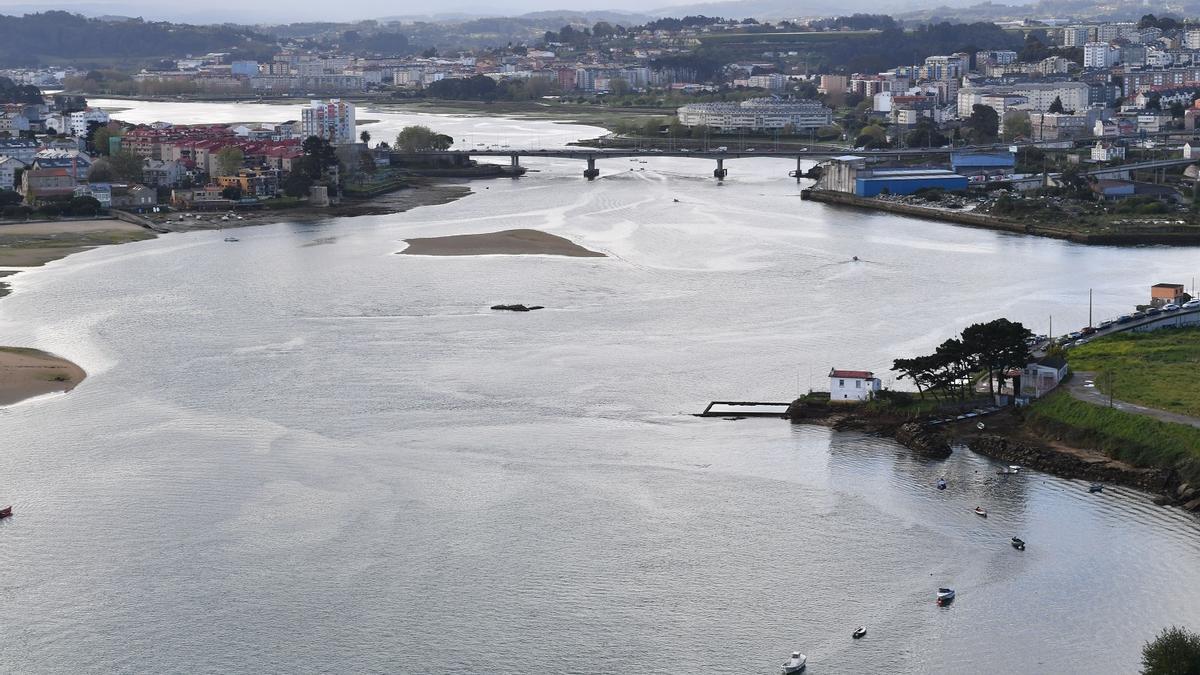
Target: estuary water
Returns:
[303, 453]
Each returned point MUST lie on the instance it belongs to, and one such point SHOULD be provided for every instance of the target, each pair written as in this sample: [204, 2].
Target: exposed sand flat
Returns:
[37, 243]
[507, 242]
[25, 373]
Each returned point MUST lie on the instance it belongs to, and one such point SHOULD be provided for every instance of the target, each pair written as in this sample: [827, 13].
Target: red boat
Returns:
[6, 512]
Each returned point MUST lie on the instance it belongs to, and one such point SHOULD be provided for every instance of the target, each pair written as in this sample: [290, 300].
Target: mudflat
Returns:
[39, 242]
[505, 242]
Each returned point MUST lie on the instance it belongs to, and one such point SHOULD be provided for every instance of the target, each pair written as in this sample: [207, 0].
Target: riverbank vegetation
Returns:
[1136, 439]
[1156, 369]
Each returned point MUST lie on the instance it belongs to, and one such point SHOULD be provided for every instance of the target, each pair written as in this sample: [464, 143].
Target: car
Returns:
[749, 149]
[1077, 343]
[656, 150]
[684, 150]
[1087, 331]
[1125, 318]
[1170, 307]
[1151, 311]
[1192, 304]
[1105, 324]
[723, 148]
[1074, 335]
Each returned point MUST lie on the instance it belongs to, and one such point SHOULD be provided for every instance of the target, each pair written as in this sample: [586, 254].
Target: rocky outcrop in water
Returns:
[517, 308]
[922, 439]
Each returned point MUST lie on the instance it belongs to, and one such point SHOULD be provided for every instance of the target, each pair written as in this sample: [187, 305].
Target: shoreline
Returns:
[988, 222]
[27, 373]
[1005, 438]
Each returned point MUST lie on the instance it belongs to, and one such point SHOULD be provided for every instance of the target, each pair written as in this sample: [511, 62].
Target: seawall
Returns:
[1166, 235]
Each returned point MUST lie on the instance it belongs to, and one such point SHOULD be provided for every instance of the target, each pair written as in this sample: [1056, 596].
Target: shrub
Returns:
[1176, 651]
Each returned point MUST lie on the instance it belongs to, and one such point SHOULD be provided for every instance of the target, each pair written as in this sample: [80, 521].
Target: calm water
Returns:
[302, 453]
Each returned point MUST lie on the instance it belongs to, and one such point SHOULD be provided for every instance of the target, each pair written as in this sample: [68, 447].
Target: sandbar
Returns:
[25, 373]
[506, 242]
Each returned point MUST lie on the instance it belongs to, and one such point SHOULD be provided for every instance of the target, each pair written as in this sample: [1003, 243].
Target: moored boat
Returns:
[5, 512]
[861, 631]
[795, 664]
[945, 596]
[1018, 543]
[941, 484]
[1095, 487]
[980, 511]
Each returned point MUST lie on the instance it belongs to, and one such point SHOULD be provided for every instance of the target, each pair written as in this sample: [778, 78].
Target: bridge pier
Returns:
[720, 173]
[591, 172]
[799, 169]
[515, 162]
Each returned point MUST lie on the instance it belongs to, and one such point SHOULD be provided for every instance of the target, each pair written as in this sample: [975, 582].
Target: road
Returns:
[1082, 386]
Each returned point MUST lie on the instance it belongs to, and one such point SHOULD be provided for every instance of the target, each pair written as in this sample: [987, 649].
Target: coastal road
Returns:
[1082, 386]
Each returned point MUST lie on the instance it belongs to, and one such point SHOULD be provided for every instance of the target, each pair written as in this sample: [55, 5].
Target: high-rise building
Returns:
[332, 120]
[1100, 55]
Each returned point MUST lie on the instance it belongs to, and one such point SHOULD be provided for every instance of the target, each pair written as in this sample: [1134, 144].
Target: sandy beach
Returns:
[37, 243]
[25, 373]
[506, 242]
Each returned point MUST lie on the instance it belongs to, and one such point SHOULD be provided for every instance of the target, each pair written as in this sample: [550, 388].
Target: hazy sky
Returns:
[217, 11]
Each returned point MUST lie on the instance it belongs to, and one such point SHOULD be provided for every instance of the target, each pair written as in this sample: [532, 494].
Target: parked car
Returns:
[723, 148]
[1074, 335]
[1087, 331]
[1192, 304]
[1105, 324]
[1125, 318]
[1151, 311]
[1170, 307]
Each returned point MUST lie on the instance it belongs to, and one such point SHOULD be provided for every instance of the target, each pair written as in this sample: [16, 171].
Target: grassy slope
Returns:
[1136, 439]
[1159, 369]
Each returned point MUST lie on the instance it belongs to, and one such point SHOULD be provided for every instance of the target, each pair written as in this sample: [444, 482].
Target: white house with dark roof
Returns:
[852, 385]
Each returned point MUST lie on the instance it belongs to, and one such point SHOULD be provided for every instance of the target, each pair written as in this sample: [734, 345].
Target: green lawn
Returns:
[1159, 369]
[1136, 439]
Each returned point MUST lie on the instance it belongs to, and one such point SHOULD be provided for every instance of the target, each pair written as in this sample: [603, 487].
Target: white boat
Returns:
[795, 664]
[945, 596]
[980, 511]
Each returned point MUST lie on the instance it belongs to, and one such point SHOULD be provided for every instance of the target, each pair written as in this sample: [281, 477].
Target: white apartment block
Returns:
[1100, 55]
[332, 120]
[756, 114]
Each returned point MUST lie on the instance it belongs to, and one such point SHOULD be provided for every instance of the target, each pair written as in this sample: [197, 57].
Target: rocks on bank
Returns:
[1068, 464]
[843, 417]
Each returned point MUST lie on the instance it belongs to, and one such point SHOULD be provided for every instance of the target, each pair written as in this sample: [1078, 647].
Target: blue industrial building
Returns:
[906, 181]
[982, 163]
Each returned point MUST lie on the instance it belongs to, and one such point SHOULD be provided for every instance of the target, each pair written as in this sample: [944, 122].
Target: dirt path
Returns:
[1082, 386]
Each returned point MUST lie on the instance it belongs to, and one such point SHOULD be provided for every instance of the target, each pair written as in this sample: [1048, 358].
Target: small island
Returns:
[26, 373]
[506, 242]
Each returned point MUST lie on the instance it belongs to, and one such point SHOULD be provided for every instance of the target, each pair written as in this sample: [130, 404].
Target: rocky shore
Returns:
[1005, 437]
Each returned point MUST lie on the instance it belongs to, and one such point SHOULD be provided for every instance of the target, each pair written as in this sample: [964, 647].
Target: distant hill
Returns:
[54, 37]
[787, 9]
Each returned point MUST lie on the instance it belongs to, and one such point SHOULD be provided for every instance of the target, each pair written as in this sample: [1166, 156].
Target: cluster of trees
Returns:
[112, 82]
[32, 38]
[421, 139]
[983, 124]
[123, 167]
[11, 92]
[318, 164]
[857, 22]
[990, 348]
[12, 209]
[1035, 49]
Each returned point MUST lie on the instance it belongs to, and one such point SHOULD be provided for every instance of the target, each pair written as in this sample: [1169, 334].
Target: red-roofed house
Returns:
[852, 385]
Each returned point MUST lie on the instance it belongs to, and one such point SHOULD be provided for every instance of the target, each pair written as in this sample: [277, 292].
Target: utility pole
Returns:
[1089, 307]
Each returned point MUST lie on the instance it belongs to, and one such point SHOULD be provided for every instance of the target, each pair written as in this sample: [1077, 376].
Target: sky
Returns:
[218, 11]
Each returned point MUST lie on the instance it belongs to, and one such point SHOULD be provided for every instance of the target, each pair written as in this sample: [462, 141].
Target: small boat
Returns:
[980, 511]
[1018, 543]
[6, 512]
[941, 484]
[675, 200]
[232, 239]
[862, 630]
[1095, 487]
[795, 664]
[945, 596]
